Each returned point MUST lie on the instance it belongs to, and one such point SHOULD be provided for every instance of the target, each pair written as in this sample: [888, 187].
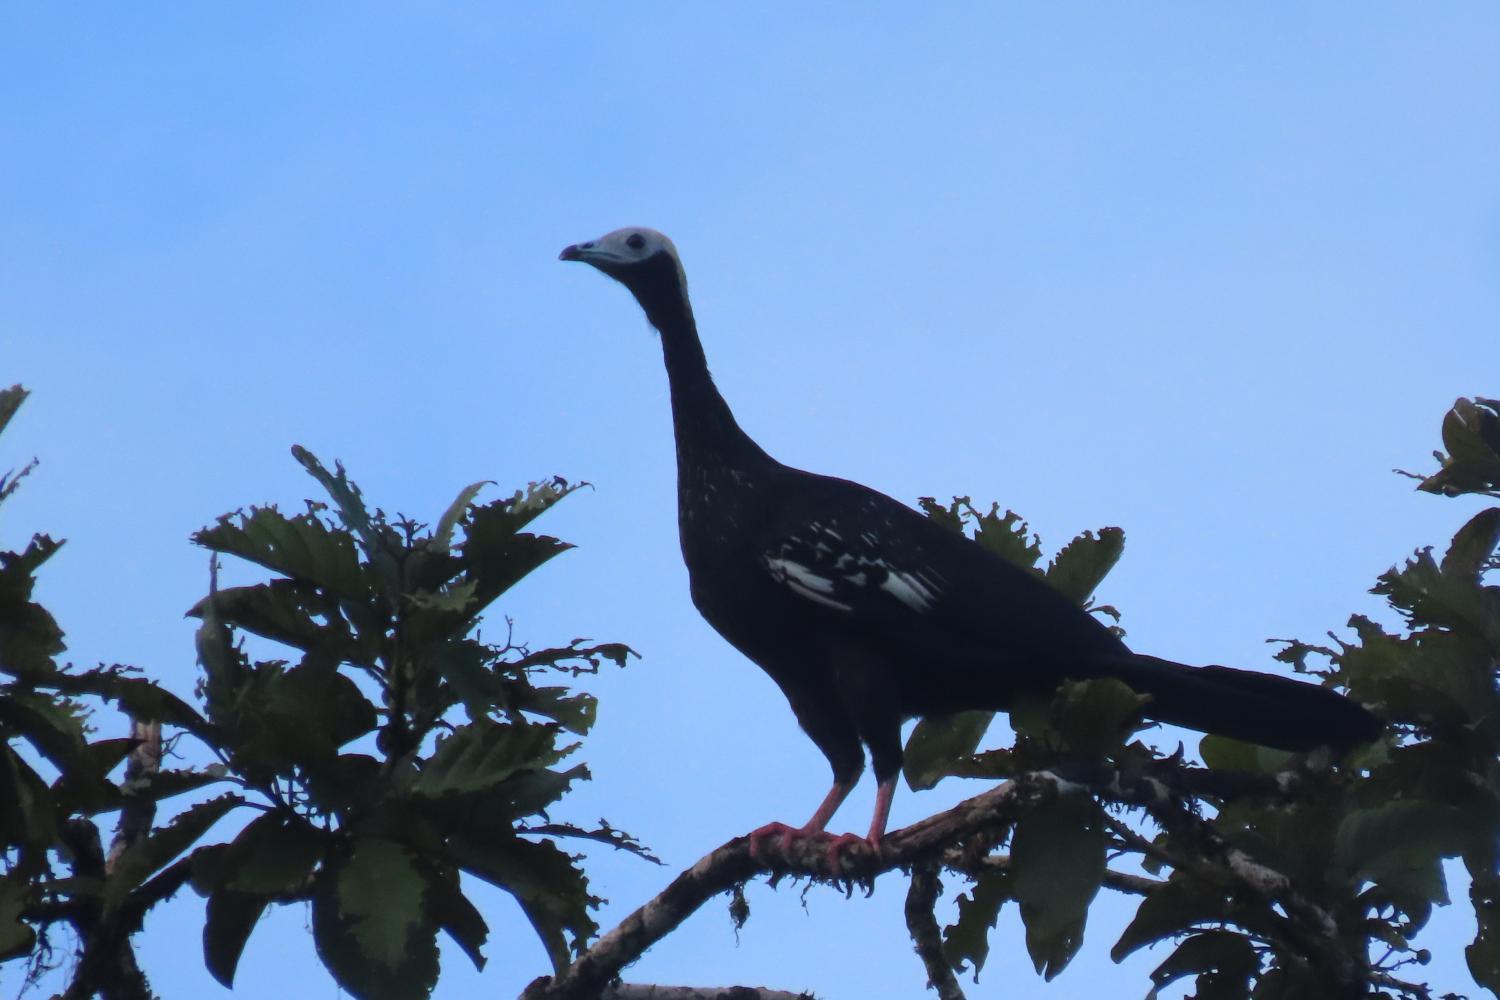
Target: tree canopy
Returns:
[389, 750]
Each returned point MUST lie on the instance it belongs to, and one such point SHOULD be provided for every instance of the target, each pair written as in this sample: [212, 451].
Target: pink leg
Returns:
[831, 802]
[883, 796]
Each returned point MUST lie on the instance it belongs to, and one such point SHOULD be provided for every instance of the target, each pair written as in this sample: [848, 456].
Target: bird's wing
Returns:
[859, 557]
[857, 561]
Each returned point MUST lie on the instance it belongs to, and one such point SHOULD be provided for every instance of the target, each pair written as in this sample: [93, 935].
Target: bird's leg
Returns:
[883, 796]
[831, 802]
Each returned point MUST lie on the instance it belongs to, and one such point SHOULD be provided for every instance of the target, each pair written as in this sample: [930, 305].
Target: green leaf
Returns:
[373, 925]
[442, 535]
[1095, 717]
[549, 887]
[1483, 955]
[1399, 844]
[1222, 753]
[1471, 433]
[574, 711]
[1473, 546]
[16, 936]
[938, 742]
[1224, 961]
[301, 548]
[1084, 562]
[1181, 904]
[481, 755]
[345, 495]
[150, 854]
[464, 664]
[1057, 856]
[968, 939]
[457, 916]
[273, 855]
[10, 401]
[230, 917]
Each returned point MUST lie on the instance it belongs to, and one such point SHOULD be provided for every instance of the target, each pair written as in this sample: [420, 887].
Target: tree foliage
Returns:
[386, 755]
[367, 752]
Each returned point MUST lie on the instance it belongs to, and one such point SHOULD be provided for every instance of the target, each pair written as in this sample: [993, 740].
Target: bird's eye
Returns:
[635, 241]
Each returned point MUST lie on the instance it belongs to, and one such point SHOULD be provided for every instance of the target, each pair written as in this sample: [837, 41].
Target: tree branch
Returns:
[921, 897]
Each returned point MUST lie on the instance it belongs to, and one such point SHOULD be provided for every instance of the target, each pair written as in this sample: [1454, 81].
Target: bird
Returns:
[867, 613]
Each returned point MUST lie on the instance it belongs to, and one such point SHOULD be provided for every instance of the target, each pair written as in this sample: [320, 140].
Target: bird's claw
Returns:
[786, 834]
[837, 845]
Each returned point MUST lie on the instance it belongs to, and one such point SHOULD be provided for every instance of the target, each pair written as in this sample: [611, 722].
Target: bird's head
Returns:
[643, 260]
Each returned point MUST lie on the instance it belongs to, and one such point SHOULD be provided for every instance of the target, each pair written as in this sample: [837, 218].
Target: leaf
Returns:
[1472, 547]
[154, 852]
[345, 495]
[442, 535]
[1483, 955]
[301, 548]
[1180, 904]
[229, 919]
[549, 887]
[457, 916]
[372, 924]
[16, 936]
[1084, 562]
[1097, 716]
[575, 712]
[1400, 843]
[273, 855]
[10, 401]
[481, 755]
[1221, 753]
[1471, 433]
[968, 939]
[938, 742]
[1057, 856]
[464, 664]
[1227, 960]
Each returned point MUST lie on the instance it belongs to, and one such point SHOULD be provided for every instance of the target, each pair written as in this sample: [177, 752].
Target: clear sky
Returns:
[1206, 272]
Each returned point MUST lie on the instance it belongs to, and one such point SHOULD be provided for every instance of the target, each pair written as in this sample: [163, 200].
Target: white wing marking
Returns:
[909, 589]
[805, 582]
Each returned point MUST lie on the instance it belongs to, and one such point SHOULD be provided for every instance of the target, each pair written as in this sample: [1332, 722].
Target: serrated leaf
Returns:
[1084, 562]
[300, 548]
[968, 938]
[549, 887]
[481, 755]
[574, 711]
[1057, 858]
[154, 852]
[372, 924]
[938, 743]
[230, 917]
[288, 611]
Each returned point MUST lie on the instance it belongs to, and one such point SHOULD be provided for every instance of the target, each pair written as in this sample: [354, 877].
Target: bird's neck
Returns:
[706, 431]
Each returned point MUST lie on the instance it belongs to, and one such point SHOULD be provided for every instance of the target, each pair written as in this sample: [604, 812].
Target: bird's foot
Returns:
[785, 833]
[837, 846]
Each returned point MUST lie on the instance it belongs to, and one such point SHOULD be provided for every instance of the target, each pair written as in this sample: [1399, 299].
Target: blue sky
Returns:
[1207, 273]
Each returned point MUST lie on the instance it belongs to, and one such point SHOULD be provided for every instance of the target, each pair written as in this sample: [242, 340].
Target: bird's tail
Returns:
[1257, 708]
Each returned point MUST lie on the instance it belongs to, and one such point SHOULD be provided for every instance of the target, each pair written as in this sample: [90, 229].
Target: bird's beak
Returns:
[571, 252]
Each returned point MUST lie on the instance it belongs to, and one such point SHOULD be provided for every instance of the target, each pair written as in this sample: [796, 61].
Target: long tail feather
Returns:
[1257, 708]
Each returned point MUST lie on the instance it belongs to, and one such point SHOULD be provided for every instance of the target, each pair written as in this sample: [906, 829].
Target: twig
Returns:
[138, 811]
[921, 897]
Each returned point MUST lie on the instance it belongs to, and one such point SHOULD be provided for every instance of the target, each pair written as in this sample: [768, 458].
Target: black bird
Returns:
[866, 613]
